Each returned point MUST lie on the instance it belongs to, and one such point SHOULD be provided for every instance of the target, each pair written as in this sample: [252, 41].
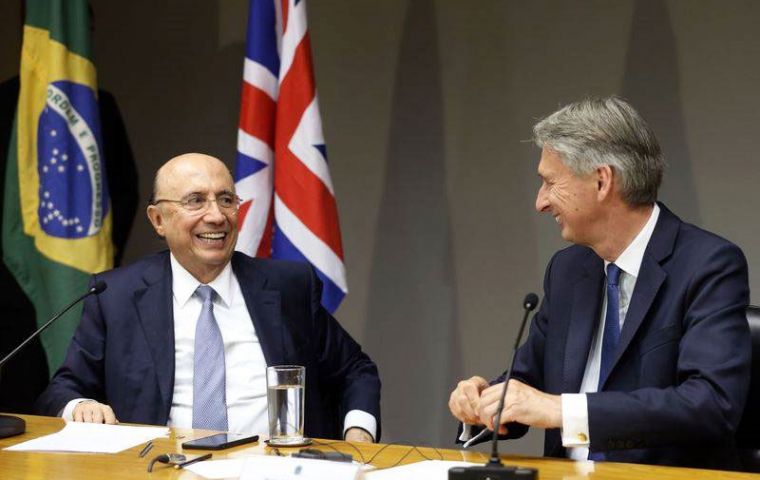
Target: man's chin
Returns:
[566, 235]
[216, 256]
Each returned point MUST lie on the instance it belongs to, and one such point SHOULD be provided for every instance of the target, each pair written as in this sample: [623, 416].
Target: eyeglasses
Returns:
[196, 202]
[176, 460]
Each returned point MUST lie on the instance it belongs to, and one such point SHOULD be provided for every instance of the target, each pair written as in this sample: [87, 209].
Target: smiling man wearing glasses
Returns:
[184, 337]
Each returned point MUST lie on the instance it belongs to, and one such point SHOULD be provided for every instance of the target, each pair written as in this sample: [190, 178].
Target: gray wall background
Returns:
[427, 106]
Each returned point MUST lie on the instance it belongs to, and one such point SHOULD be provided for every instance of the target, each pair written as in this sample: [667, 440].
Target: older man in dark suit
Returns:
[184, 337]
[640, 351]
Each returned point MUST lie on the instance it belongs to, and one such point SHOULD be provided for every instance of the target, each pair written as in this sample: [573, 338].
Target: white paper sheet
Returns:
[92, 438]
[265, 467]
[428, 469]
[216, 469]
[233, 467]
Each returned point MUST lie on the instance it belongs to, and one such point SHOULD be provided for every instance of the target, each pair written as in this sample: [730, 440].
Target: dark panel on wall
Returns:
[411, 330]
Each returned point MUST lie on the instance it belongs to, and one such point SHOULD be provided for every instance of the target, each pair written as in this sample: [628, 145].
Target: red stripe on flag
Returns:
[265, 245]
[257, 114]
[243, 212]
[285, 5]
[296, 94]
[307, 197]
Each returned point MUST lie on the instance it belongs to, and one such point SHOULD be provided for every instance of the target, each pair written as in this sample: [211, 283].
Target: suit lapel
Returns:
[264, 307]
[587, 300]
[651, 277]
[154, 307]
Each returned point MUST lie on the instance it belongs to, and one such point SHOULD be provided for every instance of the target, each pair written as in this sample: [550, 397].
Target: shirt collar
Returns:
[630, 260]
[184, 283]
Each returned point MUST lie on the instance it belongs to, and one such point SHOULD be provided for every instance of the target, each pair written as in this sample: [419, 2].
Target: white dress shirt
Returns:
[246, 389]
[575, 431]
[246, 383]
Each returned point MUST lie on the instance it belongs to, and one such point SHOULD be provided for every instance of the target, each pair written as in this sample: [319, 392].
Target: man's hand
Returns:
[90, 411]
[355, 434]
[465, 400]
[524, 404]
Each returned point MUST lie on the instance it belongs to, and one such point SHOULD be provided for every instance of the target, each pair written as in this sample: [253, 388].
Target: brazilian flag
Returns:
[57, 219]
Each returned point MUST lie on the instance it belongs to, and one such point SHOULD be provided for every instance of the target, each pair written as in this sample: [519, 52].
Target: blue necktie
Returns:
[611, 334]
[209, 396]
[611, 323]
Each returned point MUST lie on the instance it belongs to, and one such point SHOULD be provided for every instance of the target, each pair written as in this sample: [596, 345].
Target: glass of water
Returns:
[285, 400]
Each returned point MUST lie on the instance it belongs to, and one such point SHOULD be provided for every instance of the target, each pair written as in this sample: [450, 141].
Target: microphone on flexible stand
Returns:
[494, 469]
[10, 425]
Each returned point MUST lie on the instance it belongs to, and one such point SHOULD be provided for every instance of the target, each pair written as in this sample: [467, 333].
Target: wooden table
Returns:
[127, 464]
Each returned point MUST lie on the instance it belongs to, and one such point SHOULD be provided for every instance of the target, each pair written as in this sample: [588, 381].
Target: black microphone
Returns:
[494, 469]
[9, 425]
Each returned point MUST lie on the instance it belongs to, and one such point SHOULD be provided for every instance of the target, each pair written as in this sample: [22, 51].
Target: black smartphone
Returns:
[220, 441]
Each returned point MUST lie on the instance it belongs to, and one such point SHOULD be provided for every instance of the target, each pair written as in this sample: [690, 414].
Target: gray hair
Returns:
[606, 131]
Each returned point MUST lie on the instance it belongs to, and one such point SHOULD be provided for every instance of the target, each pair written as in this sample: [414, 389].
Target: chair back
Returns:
[748, 434]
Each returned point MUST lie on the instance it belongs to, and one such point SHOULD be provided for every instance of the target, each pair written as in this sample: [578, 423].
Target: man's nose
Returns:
[542, 199]
[213, 213]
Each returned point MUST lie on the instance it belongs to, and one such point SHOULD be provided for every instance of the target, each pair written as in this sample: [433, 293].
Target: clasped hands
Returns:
[474, 402]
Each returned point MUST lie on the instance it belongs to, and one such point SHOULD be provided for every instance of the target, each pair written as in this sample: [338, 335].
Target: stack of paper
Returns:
[93, 438]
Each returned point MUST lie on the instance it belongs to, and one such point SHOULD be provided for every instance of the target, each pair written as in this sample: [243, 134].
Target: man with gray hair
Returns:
[640, 351]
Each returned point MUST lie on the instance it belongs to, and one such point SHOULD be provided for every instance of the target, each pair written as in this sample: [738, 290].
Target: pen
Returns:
[148, 446]
[477, 437]
[196, 459]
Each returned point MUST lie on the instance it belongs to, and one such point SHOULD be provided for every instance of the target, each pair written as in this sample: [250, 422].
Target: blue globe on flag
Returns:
[73, 196]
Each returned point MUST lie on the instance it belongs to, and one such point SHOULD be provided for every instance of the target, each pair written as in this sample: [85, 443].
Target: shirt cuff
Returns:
[575, 420]
[360, 418]
[68, 411]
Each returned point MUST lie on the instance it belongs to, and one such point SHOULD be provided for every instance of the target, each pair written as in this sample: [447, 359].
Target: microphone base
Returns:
[489, 472]
[11, 426]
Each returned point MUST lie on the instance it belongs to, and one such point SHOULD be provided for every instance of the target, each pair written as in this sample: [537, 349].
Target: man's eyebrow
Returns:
[220, 192]
[192, 193]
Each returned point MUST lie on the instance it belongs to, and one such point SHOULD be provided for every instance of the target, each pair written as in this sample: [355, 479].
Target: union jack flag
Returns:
[288, 207]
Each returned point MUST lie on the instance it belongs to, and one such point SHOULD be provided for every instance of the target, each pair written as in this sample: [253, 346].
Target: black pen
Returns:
[148, 446]
[205, 456]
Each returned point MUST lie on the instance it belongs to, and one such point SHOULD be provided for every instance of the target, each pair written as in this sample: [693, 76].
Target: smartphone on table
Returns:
[220, 441]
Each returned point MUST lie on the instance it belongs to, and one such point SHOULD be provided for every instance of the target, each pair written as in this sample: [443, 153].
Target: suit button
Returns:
[582, 437]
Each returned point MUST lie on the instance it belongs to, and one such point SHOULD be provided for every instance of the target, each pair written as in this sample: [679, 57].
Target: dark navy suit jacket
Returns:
[122, 353]
[677, 388]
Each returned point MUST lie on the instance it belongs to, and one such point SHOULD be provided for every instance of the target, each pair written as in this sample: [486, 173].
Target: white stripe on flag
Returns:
[308, 134]
[312, 247]
[253, 147]
[260, 77]
[256, 187]
[294, 32]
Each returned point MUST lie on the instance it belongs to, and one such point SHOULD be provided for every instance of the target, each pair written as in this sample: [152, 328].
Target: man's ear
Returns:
[156, 219]
[605, 181]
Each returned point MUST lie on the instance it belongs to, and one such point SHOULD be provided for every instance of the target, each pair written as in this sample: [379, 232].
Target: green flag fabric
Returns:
[56, 227]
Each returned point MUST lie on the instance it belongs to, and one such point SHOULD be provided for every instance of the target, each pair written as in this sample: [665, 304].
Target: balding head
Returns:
[171, 172]
[194, 208]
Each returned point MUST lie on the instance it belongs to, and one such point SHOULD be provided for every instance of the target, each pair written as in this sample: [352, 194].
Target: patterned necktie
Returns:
[209, 396]
[611, 323]
[611, 334]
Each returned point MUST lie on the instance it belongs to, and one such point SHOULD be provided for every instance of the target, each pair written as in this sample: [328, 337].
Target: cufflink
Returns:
[582, 437]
